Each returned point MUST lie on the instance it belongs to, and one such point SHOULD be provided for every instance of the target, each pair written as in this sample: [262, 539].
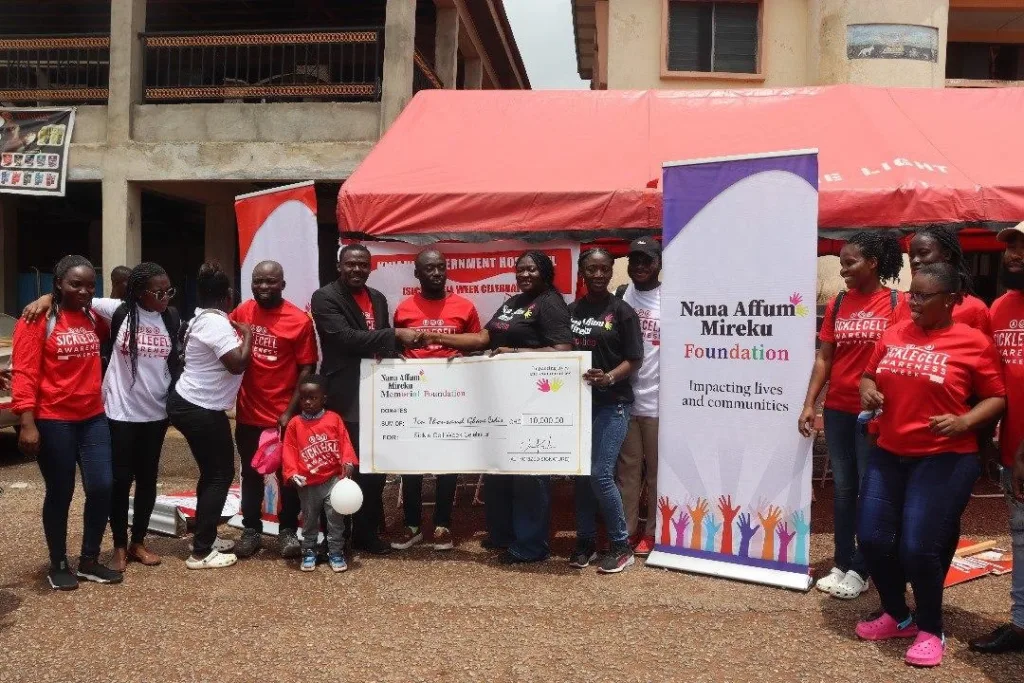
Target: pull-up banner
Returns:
[279, 224]
[737, 345]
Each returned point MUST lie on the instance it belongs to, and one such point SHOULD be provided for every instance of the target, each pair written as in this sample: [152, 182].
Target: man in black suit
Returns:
[353, 323]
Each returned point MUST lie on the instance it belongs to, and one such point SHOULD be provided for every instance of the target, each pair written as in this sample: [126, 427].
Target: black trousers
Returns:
[412, 499]
[248, 439]
[367, 522]
[208, 433]
[135, 447]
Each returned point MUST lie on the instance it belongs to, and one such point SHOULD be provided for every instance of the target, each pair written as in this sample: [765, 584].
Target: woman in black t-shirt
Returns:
[609, 328]
[518, 506]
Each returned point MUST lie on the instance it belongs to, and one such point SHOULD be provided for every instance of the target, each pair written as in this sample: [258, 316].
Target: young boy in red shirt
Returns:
[317, 454]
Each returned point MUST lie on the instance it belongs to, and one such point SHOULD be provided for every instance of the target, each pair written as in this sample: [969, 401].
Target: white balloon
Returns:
[346, 497]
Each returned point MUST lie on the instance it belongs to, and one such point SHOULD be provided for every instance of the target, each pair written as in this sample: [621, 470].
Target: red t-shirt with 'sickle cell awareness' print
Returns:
[924, 374]
[854, 329]
[451, 315]
[316, 449]
[282, 340]
[57, 377]
[362, 299]
[1008, 334]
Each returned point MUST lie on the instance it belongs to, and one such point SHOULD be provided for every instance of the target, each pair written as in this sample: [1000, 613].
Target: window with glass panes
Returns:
[708, 36]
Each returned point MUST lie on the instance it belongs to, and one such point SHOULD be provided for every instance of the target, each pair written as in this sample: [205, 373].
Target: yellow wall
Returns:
[803, 43]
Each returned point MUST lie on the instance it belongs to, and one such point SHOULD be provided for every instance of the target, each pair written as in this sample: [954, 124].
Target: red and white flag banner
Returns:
[280, 225]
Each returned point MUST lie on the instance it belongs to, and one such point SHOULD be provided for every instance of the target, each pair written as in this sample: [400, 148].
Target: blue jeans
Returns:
[1017, 533]
[598, 491]
[518, 513]
[848, 449]
[910, 509]
[63, 445]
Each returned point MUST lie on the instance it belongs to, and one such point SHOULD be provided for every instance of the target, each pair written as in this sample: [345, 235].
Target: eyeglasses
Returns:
[922, 297]
[161, 294]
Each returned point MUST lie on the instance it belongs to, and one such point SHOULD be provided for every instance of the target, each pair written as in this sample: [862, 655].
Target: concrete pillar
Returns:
[830, 21]
[399, 49]
[122, 226]
[473, 73]
[446, 46]
[9, 254]
[221, 238]
[127, 20]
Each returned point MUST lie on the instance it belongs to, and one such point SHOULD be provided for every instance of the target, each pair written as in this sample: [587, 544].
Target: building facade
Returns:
[183, 104]
[712, 44]
[681, 44]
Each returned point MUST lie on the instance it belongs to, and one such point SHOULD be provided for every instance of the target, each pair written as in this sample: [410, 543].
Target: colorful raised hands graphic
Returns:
[746, 533]
[667, 510]
[785, 538]
[769, 521]
[803, 534]
[728, 515]
[711, 529]
[680, 525]
[697, 514]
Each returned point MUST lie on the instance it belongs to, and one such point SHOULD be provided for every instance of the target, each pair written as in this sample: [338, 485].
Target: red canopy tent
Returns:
[480, 165]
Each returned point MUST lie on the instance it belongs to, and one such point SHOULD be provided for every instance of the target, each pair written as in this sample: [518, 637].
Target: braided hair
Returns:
[60, 271]
[884, 247]
[545, 266]
[138, 282]
[945, 274]
[953, 254]
[595, 251]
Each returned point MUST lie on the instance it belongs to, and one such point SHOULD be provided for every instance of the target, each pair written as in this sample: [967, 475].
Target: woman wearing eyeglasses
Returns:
[143, 364]
[920, 475]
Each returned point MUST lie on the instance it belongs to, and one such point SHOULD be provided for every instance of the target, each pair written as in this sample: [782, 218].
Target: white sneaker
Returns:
[223, 545]
[215, 560]
[827, 583]
[850, 587]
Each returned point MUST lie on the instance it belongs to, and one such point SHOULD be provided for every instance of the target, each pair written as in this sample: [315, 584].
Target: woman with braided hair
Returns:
[56, 394]
[941, 245]
[854, 320]
[143, 363]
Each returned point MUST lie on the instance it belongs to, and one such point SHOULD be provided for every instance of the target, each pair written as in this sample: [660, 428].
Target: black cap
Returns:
[646, 245]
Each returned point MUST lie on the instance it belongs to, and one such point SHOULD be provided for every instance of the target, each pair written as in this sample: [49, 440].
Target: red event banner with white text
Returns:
[483, 273]
[280, 225]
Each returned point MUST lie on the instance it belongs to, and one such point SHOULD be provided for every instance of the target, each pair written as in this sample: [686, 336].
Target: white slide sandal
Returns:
[215, 560]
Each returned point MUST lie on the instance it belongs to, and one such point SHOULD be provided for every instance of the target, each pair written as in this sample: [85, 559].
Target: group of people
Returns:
[916, 384]
[97, 381]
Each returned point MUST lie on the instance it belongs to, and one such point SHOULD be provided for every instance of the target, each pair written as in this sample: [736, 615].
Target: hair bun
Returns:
[210, 268]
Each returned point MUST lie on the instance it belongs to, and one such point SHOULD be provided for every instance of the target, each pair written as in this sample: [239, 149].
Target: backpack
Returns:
[171, 320]
[894, 300]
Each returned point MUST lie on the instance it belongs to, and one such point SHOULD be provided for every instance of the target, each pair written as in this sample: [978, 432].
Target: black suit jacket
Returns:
[345, 341]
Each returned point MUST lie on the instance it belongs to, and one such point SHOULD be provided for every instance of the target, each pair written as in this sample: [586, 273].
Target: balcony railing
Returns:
[260, 66]
[73, 68]
[423, 76]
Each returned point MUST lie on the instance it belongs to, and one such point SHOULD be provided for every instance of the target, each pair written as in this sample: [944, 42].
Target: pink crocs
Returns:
[926, 651]
[884, 628]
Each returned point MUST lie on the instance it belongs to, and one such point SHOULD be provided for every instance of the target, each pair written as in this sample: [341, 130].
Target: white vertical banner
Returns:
[737, 346]
[280, 225]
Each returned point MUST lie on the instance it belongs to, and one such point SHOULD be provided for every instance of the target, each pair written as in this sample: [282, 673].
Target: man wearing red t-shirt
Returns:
[283, 353]
[432, 310]
[1008, 333]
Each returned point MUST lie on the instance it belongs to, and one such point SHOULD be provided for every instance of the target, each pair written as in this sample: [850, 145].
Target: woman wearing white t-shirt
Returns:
[143, 359]
[214, 362]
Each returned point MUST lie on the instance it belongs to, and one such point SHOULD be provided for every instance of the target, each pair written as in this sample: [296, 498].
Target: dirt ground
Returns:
[457, 616]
